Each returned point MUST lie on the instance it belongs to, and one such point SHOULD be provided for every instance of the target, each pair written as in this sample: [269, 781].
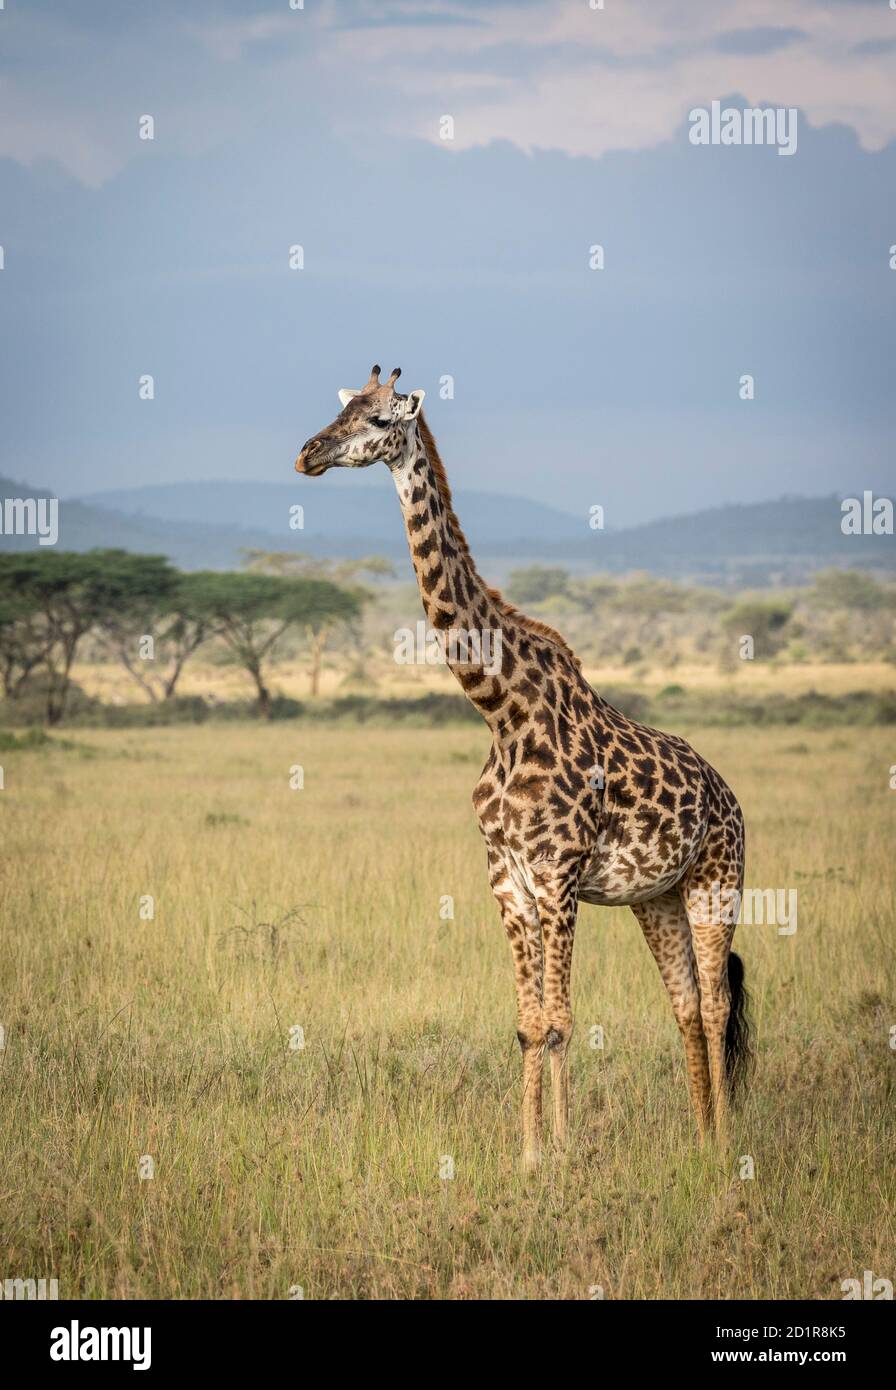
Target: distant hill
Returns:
[189, 544]
[205, 525]
[339, 517]
[775, 542]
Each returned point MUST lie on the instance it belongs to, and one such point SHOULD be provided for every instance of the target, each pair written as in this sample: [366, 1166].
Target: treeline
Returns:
[844, 615]
[150, 616]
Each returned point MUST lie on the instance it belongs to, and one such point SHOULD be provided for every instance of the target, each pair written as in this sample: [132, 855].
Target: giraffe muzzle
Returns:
[312, 460]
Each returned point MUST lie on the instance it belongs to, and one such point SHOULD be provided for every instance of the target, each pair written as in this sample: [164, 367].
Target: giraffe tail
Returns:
[738, 1034]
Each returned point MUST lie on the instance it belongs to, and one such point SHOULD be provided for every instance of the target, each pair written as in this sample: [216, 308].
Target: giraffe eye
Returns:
[382, 423]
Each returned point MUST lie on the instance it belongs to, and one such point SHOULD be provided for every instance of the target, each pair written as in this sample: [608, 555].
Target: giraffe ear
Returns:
[346, 395]
[413, 407]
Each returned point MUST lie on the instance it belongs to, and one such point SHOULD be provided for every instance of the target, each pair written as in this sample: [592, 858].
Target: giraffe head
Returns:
[374, 424]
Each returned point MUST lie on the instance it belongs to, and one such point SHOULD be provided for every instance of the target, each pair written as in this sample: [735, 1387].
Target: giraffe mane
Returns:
[532, 625]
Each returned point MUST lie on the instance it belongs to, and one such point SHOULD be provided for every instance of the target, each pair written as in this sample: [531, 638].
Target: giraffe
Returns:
[576, 802]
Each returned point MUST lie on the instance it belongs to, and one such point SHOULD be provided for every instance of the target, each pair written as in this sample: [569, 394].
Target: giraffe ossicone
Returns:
[657, 831]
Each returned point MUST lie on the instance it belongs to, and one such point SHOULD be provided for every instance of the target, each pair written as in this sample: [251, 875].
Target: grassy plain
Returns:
[279, 1166]
[753, 680]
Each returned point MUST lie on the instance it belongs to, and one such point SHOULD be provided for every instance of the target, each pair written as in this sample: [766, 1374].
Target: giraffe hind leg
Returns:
[667, 932]
[712, 891]
[711, 899]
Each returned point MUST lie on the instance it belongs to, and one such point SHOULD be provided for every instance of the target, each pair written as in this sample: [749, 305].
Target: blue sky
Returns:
[466, 257]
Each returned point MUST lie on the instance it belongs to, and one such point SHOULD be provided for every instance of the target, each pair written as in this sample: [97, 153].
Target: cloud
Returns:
[466, 257]
[547, 75]
[407, 19]
[472, 263]
[758, 41]
[873, 48]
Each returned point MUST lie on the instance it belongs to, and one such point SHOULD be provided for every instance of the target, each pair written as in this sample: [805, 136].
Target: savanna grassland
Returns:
[277, 1166]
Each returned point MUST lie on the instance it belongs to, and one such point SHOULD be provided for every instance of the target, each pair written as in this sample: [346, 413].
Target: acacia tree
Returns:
[142, 585]
[50, 599]
[191, 622]
[67, 594]
[318, 630]
[171, 607]
[23, 637]
[251, 612]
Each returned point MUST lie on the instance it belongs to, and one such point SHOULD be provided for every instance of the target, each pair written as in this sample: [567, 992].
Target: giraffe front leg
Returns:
[556, 895]
[558, 1046]
[533, 1060]
[519, 915]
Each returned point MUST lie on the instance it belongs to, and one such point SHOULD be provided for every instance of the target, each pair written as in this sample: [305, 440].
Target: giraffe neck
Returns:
[481, 640]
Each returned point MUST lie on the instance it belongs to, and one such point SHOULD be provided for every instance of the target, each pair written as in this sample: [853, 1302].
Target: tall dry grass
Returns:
[318, 1167]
